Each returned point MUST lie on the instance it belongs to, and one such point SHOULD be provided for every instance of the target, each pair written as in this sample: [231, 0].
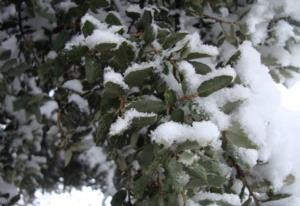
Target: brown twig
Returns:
[242, 176]
[189, 97]
[122, 104]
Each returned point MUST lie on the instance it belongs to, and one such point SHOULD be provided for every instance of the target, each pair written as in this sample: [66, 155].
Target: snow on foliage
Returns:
[172, 132]
[161, 102]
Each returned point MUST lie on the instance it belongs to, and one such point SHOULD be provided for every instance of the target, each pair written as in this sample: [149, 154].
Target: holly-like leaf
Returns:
[112, 19]
[119, 198]
[236, 135]
[148, 106]
[172, 39]
[196, 55]
[137, 78]
[212, 85]
[201, 68]
[88, 28]
[92, 70]
[149, 34]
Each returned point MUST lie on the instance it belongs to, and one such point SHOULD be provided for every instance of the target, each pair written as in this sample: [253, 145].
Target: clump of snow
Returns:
[6, 12]
[66, 5]
[6, 188]
[111, 76]
[101, 34]
[228, 198]
[52, 54]
[171, 132]
[249, 156]
[284, 31]
[80, 102]
[48, 108]
[134, 8]
[123, 123]
[95, 158]
[196, 45]
[73, 85]
[191, 76]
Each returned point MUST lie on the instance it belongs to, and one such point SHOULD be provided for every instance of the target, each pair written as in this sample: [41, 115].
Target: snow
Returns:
[101, 34]
[195, 44]
[66, 5]
[123, 123]
[48, 109]
[96, 159]
[284, 31]
[191, 76]
[6, 12]
[228, 198]
[249, 156]
[73, 85]
[171, 132]
[80, 102]
[7, 188]
[111, 76]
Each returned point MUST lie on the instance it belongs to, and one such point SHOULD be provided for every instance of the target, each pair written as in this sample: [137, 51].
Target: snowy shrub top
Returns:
[155, 102]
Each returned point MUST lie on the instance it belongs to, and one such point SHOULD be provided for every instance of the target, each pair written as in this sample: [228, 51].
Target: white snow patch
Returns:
[122, 123]
[171, 132]
[81, 103]
[73, 85]
[111, 76]
[48, 108]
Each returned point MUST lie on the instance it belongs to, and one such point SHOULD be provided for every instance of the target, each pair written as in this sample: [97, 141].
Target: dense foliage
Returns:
[153, 101]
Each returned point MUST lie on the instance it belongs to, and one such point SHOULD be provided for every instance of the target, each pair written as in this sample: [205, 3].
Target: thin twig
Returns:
[242, 176]
[189, 97]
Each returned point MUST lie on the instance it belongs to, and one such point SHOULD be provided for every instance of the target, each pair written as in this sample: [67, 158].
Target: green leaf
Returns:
[8, 65]
[140, 186]
[213, 85]
[68, 156]
[149, 35]
[196, 55]
[198, 171]
[88, 28]
[215, 180]
[137, 78]
[104, 125]
[234, 58]
[188, 145]
[170, 97]
[275, 197]
[112, 19]
[146, 156]
[105, 47]
[146, 19]
[119, 198]
[238, 137]
[201, 68]
[74, 55]
[177, 115]
[172, 39]
[113, 90]
[5, 54]
[231, 106]
[140, 122]
[60, 40]
[122, 57]
[92, 70]
[148, 106]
